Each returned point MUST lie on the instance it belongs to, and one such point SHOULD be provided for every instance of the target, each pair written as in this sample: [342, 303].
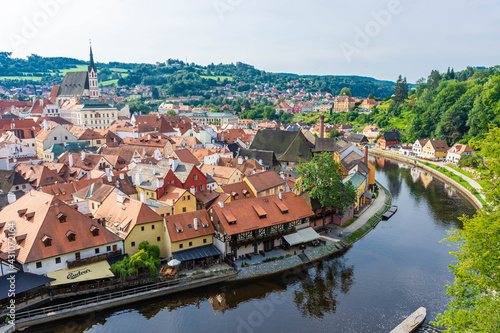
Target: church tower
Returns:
[93, 87]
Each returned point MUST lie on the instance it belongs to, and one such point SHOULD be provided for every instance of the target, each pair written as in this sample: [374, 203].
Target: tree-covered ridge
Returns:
[178, 78]
[453, 106]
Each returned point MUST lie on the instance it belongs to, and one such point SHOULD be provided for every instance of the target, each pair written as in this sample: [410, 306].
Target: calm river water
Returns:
[396, 268]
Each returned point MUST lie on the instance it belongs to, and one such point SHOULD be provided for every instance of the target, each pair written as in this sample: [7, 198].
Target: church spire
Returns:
[91, 64]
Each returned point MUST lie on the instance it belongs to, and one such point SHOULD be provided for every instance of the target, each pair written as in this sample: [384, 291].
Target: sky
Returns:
[376, 38]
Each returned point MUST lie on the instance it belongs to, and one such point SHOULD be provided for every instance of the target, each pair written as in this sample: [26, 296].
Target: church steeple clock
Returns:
[93, 86]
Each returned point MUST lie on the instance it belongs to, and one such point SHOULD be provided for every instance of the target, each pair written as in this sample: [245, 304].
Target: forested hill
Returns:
[178, 78]
[456, 107]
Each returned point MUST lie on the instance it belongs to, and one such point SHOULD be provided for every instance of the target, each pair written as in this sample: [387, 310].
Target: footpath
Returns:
[334, 243]
[422, 164]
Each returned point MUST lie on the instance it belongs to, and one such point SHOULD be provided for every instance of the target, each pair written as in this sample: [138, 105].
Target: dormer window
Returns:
[94, 230]
[178, 228]
[20, 238]
[71, 235]
[21, 212]
[61, 217]
[29, 216]
[47, 241]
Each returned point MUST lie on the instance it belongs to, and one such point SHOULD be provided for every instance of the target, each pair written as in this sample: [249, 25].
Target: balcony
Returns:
[90, 260]
[258, 239]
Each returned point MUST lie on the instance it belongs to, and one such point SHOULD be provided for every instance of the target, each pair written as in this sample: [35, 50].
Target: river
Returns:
[398, 267]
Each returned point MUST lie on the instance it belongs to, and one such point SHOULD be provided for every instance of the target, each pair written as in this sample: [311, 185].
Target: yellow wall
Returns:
[371, 175]
[183, 202]
[39, 148]
[149, 194]
[165, 211]
[150, 235]
[198, 241]
[235, 177]
[359, 192]
[271, 191]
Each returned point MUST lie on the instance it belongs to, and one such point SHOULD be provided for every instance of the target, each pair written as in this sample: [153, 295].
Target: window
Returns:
[188, 197]
[96, 251]
[39, 264]
[204, 240]
[132, 244]
[190, 243]
[55, 138]
[153, 227]
[48, 242]
[142, 228]
[181, 246]
[183, 209]
[58, 260]
[108, 248]
[65, 138]
[195, 177]
[77, 255]
[158, 238]
[71, 237]
[201, 187]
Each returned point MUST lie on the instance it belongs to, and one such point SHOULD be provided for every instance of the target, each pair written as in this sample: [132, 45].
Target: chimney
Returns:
[110, 179]
[240, 160]
[70, 160]
[45, 125]
[212, 173]
[321, 126]
[41, 102]
[106, 172]
[149, 137]
[159, 182]
[122, 176]
[260, 162]
[366, 156]
[82, 154]
[221, 204]
[246, 157]
[11, 197]
[120, 198]
[280, 196]
[195, 224]
[143, 197]
[138, 178]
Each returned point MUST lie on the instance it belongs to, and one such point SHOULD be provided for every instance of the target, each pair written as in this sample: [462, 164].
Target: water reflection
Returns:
[318, 292]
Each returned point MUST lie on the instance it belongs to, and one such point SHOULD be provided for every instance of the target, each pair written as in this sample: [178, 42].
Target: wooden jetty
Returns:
[387, 215]
[411, 323]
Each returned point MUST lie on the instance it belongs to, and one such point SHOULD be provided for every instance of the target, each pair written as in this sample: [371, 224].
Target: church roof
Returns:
[74, 83]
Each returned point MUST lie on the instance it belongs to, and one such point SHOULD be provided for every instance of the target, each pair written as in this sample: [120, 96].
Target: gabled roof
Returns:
[186, 222]
[351, 160]
[241, 189]
[97, 191]
[74, 84]
[439, 145]
[356, 179]
[247, 167]
[38, 175]
[265, 180]
[171, 195]
[9, 178]
[357, 138]
[391, 136]
[246, 212]
[460, 149]
[123, 217]
[36, 215]
[185, 156]
[287, 146]
[64, 192]
[221, 174]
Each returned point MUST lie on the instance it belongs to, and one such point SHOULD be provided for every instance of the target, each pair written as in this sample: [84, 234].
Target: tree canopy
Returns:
[475, 306]
[321, 178]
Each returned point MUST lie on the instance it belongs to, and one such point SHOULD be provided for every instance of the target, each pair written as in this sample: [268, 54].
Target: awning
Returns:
[196, 253]
[302, 236]
[293, 239]
[368, 195]
[23, 282]
[98, 270]
[308, 234]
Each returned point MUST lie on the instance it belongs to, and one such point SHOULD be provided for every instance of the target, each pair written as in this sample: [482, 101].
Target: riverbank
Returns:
[420, 164]
[334, 242]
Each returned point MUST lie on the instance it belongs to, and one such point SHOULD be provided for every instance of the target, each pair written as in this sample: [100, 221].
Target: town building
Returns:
[456, 152]
[265, 183]
[435, 149]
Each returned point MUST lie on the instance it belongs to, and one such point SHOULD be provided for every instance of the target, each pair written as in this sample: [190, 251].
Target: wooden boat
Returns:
[411, 323]
[387, 215]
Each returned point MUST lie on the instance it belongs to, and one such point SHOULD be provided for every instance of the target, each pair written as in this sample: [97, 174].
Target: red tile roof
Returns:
[186, 223]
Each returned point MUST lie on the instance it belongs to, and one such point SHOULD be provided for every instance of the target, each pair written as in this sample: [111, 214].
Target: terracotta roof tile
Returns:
[186, 223]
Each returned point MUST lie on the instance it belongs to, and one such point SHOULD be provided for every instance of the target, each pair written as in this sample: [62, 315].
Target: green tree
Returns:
[154, 92]
[371, 96]
[345, 91]
[171, 113]
[333, 134]
[322, 179]
[433, 80]
[475, 306]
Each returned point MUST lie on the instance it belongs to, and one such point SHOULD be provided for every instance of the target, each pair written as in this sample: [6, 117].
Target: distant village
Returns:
[86, 182]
